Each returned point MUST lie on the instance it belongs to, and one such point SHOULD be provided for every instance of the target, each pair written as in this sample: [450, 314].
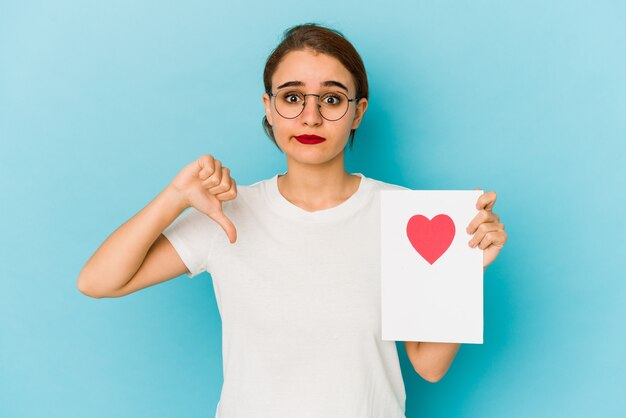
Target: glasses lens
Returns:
[332, 105]
[289, 104]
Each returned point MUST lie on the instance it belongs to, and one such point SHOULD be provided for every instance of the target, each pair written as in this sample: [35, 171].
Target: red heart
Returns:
[430, 238]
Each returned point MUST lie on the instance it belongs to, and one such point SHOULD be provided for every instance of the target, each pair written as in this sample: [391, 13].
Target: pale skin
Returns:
[137, 255]
[316, 177]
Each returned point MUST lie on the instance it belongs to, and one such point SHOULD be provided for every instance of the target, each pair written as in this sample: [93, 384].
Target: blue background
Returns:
[102, 103]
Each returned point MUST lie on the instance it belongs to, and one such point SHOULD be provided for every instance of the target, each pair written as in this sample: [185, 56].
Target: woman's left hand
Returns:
[488, 231]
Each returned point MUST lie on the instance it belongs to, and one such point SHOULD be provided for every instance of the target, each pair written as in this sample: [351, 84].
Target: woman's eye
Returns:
[332, 100]
[292, 98]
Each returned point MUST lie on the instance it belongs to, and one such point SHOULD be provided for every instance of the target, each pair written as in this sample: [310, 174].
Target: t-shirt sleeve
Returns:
[192, 235]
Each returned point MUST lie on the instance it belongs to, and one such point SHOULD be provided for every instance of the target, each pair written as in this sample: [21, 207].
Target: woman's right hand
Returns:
[204, 184]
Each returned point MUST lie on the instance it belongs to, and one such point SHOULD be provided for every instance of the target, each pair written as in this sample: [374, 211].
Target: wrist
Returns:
[175, 198]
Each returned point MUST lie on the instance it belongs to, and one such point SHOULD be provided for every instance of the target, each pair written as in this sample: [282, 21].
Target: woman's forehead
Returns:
[311, 70]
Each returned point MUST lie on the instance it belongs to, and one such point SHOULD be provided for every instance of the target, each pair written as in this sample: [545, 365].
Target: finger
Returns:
[496, 238]
[229, 194]
[224, 184]
[227, 226]
[477, 200]
[215, 178]
[486, 200]
[482, 216]
[484, 229]
[206, 166]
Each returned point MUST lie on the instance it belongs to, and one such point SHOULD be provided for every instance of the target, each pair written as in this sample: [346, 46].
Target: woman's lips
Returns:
[310, 139]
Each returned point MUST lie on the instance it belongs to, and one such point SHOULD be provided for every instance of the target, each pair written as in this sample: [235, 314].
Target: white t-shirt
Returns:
[299, 297]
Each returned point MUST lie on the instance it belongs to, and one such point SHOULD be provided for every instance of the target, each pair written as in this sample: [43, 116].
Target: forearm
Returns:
[434, 359]
[119, 257]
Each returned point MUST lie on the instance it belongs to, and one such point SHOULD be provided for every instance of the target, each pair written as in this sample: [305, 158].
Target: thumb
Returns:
[226, 224]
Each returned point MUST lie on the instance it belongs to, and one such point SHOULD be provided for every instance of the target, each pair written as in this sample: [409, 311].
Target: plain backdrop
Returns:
[102, 103]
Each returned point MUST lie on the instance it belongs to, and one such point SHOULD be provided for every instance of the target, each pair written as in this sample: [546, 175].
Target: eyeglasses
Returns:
[332, 105]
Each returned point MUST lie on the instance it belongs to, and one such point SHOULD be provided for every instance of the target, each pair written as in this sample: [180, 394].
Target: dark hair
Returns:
[323, 40]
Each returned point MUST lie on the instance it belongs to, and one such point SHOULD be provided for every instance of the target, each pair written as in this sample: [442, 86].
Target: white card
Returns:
[432, 280]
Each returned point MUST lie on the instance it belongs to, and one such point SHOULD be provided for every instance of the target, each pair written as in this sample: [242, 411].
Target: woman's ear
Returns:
[268, 109]
[361, 106]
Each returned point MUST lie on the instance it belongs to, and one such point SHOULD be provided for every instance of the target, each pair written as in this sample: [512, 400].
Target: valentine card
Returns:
[431, 279]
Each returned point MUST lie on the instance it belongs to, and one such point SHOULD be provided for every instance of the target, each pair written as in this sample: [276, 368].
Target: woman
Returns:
[297, 280]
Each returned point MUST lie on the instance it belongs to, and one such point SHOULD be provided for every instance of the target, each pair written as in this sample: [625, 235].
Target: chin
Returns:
[312, 156]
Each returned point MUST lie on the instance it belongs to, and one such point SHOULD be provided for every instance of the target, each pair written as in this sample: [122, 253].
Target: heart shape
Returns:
[430, 238]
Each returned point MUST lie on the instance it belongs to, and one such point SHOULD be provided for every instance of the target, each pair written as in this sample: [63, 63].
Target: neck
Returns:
[317, 186]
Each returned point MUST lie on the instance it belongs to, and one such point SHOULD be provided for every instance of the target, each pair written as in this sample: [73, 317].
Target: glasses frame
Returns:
[319, 106]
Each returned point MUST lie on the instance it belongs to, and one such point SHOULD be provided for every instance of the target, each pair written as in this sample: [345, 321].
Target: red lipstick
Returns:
[310, 139]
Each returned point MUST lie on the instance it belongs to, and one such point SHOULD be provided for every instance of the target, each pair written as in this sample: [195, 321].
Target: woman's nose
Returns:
[310, 113]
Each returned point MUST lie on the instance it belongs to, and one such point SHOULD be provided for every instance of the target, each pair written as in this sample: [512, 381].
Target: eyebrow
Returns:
[328, 83]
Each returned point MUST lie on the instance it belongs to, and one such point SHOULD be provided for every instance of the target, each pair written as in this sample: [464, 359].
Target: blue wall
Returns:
[101, 105]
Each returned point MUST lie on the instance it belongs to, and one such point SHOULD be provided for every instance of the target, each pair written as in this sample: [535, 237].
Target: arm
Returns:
[119, 258]
[137, 254]
[431, 360]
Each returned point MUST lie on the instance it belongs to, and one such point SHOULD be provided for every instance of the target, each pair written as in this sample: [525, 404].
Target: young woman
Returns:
[294, 258]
